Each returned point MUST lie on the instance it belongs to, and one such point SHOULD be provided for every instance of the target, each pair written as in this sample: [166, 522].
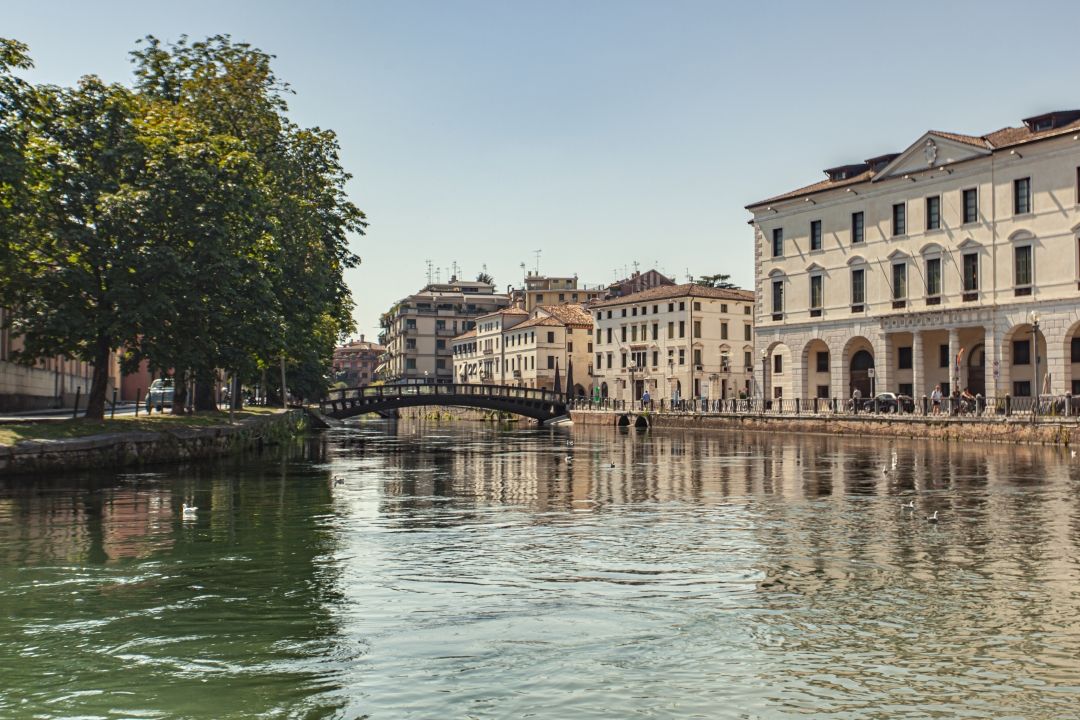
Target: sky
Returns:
[601, 134]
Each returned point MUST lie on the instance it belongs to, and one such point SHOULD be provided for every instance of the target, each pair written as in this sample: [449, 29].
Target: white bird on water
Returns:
[569, 459]
[188, 511]
[1073, 453]
[884, 469]
[569, 443]
[932, 518]
[908, 505]
[612, 464]
[338, 480]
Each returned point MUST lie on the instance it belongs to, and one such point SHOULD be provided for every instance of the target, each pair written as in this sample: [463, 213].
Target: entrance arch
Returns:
[862, 362]
[977, 370]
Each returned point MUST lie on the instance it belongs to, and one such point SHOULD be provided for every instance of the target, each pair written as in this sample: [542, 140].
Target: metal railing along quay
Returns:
[1048, 409]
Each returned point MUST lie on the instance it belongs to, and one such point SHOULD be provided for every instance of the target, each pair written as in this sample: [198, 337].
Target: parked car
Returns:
[160, 395]
[888, 402]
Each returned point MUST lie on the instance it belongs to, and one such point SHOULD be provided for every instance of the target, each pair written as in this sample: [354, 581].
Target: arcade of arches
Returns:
[911, 358]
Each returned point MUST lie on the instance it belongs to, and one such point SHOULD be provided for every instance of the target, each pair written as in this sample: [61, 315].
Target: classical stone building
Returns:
[928, 266]
[355, 362]
[678, 341]
[513, 347]
[418, 329]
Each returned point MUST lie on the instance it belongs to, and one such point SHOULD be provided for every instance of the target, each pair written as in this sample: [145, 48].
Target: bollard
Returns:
[138, 399]
[112, 413]
[1008, 405]
[75, 412]
[925, 405]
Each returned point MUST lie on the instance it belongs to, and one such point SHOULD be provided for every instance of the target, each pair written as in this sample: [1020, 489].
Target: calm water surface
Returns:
[461, 571]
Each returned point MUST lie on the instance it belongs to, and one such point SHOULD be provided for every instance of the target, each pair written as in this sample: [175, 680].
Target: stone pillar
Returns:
[884, 362]
[1057, 358]
[837, 376]
[954, 347]
[918, 368]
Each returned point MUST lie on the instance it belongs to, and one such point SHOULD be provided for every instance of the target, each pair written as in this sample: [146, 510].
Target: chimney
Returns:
[361, 337]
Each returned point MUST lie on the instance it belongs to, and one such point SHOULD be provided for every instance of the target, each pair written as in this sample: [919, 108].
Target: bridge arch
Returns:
[531, 402]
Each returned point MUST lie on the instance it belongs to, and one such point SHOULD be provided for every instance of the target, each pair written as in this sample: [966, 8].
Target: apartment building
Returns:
[676, 341]
[355, 362]
[529, 349]
[418, 329]
[637, 282]
[934, 265]
[551, 290]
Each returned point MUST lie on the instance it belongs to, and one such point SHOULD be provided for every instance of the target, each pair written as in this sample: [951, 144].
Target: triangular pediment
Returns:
[930, 151]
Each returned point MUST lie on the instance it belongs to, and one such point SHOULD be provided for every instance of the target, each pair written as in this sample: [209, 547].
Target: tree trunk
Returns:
[235, 397]
[204, 391]
[179, 392]
[99, 383]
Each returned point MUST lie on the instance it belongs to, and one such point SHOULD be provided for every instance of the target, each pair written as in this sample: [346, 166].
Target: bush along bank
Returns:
[168, 445]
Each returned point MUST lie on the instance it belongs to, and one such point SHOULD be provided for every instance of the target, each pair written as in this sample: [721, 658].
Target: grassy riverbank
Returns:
[79, 428]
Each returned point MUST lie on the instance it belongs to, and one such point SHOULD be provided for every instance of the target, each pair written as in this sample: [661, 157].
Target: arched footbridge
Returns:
[539, 404]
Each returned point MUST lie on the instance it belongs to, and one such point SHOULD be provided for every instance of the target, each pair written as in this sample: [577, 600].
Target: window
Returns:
[933, 277]
[746, 310]
[624, 360]
[697, 306]
[815, 234]
[971, 273]
[777, 299]
[723, 307]
[682, 356]
[655, 358]
[624, 312]
[778, 364]
[440, 364]
[899, 219]
[1021, 196]
[971, 205]
[857, 235]
[1074, 350]
[1021, 352]
[1022, 388]
[551, 362]
[656, 331]
[858, 287]
[747, 363]
[697, 328]
[697, 356]
[410, 343]
[933, 212]
[570, 347]
[682, 328]
[539, 299]
[623, 333]
[682, 306]
[816, 294]
[943, 357]
[670, 330]
[633, 333]
[671, 307]
[410, 363]
[1022, 267]
[903, 358]
[440, 344]
[655, 309]
[633, 311]
[723, 331]
[599, 361]
[609, 335]
[748, 331]
[778, 242]
[899, 281]
[823, 361]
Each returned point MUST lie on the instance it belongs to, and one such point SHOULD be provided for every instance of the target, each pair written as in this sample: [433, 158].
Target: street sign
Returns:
[871, 372]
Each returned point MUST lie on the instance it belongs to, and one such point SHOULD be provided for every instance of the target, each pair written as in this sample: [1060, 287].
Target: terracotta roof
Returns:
[504, 311]
[574, 315]
[538, 322]
[466, 334]
[996, 140]
[673, 291]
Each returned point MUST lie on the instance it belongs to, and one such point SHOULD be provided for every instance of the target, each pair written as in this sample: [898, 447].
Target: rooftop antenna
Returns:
[523, 273]
[537, 253]
[454, 266]
[428, 263]
[636, 264]
[438, 274]
[689, 277]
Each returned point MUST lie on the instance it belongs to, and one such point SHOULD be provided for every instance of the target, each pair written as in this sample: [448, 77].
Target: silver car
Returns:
[160, 395]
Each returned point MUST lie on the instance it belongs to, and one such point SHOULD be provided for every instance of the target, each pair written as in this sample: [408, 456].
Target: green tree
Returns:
[485, 278]
[717, 281]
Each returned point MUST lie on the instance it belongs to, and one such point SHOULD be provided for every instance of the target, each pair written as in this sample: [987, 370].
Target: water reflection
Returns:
[464, 570]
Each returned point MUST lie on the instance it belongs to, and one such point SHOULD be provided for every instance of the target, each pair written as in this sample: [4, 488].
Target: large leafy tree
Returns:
[76, 288]
[721, 280]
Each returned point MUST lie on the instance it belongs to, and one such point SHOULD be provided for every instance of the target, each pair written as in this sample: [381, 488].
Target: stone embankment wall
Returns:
[951, 429]
[141, 448]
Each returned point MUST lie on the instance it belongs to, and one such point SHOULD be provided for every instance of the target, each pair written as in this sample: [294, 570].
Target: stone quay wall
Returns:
[1017, 431]
[144, 448]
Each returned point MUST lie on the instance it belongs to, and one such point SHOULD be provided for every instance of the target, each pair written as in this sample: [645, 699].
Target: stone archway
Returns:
[862, 362]
[976, 374]
[817, 369]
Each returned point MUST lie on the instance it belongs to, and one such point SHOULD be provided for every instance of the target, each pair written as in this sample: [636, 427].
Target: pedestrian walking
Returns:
[935, 400]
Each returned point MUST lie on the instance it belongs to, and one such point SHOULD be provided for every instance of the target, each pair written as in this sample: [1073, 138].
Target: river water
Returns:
[463, 571]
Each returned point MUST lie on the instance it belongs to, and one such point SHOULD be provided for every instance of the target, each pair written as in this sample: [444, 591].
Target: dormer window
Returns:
[1043, 124]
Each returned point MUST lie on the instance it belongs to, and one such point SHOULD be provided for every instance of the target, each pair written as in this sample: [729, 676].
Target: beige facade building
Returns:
[50, 382]
[418, 329]
[523, 349]
[929, 266]
[676, 341]
[355, 362]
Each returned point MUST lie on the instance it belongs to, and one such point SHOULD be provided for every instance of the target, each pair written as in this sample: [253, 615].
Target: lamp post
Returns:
[671, 381]
[764, 370]
[633, 385]
[1034, 316]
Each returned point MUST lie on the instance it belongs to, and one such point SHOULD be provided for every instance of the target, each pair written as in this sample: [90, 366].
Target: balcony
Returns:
[445, 332]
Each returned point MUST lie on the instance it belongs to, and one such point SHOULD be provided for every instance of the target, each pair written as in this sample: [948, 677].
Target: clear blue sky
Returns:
[601, 133]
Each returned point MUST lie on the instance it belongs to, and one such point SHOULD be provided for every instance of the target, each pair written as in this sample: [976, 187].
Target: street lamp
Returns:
[1034, 316]
[764, 370]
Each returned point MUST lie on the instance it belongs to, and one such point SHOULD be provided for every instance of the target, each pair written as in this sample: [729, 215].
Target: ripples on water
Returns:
[462, 571]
